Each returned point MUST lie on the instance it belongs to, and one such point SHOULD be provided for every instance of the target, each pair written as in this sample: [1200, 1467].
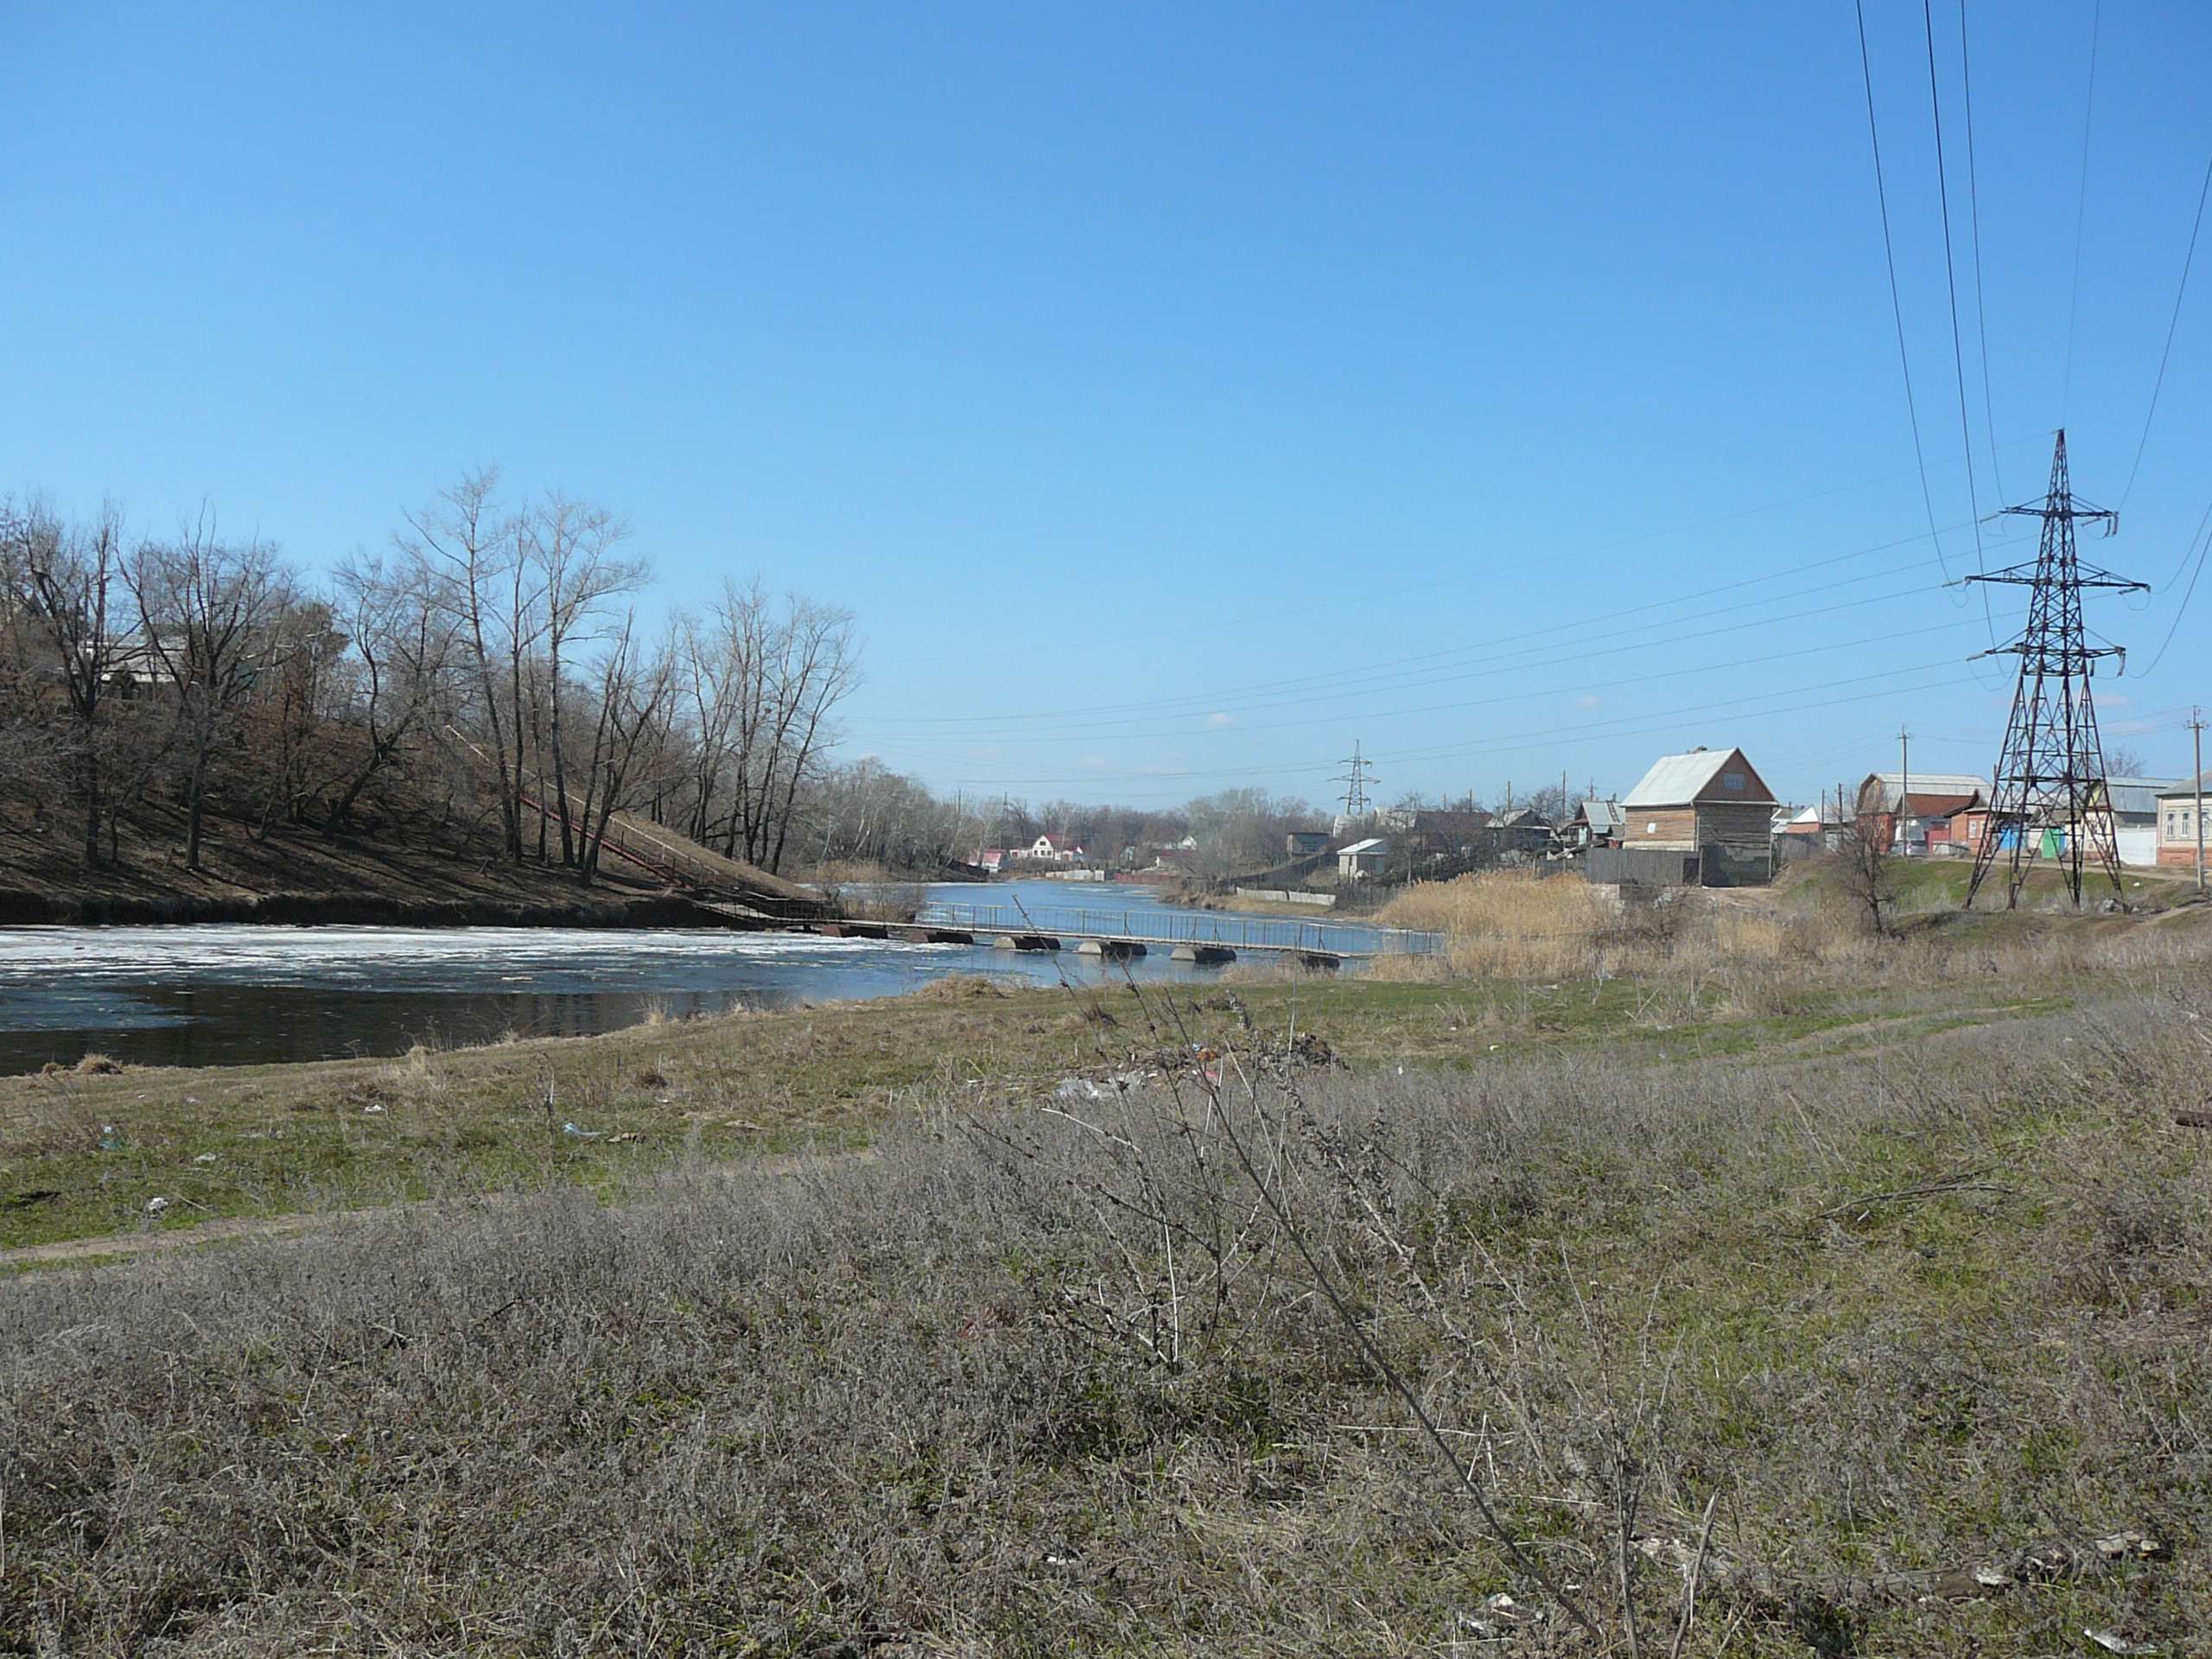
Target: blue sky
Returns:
[1177, 395]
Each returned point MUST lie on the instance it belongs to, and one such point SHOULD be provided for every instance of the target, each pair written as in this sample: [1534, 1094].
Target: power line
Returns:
[1896, 303]
[2191, 591]
[2081, 210]
[1626, 725]
[1735, 707]
[1216, 621]
[1345, 680]
[1973, 205]
[2172, 323]
[1107, 724]
[1951, 284]
[1792, 654]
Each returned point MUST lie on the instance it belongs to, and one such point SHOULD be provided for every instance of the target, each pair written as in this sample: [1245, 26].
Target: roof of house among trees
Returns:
[1681, 779]
[1935, 794]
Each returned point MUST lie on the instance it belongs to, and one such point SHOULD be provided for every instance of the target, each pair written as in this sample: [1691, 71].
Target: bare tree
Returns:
[632, 691]
[66, 578]
[406, 644]
[205, 610]
[766, 683]
[297, 751]
[1241, 830]
[470, 547]
[1868, 873]
[572, 546]
[815, 668]
[711, 677]
[2121, 761]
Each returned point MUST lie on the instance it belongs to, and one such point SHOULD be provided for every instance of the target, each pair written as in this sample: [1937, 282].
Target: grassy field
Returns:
[1833, 1298]
[91, 1154]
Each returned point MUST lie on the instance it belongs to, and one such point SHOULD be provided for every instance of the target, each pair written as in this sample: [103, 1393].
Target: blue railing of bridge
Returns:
[1193, 927]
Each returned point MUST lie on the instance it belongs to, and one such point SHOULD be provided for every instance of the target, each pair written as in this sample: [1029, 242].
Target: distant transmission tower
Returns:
[2050, 774]
[1356, 782]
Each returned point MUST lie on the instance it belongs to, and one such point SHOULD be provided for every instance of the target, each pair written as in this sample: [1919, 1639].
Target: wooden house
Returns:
[1595, 823]
[1709, 803]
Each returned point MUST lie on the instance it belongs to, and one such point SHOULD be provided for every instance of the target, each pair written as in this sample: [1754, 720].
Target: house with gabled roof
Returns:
[2181, 823]
[1595, 823]
[1710, 804]
[1912, 812]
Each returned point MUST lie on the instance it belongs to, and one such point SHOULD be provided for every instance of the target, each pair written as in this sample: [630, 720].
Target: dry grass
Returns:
[896, 904]
[959, 988]
[1508, 924]
[1511, 925]
[1043, 1382]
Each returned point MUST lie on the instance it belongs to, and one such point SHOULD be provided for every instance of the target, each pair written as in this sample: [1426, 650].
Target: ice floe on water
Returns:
[237, 994]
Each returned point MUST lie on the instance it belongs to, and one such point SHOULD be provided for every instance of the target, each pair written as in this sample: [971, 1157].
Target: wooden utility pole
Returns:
[1904, 789]
[2196, 755]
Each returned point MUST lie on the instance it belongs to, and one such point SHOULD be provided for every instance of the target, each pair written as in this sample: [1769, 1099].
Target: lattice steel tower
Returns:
[2050, 774]
[1356, 781]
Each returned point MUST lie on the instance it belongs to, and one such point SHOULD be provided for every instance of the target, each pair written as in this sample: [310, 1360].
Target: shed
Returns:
[1595, 823]
[1362, 859]
[1708, 802]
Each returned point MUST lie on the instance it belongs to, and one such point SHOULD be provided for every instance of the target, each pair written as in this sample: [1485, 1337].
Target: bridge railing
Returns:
[1193, 927]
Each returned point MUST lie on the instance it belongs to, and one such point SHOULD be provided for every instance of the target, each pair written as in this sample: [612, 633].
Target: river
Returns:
[239, 994]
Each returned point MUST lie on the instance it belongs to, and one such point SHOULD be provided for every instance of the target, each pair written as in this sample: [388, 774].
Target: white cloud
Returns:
[1221, 720]
[1093, 760]
[1587, 702]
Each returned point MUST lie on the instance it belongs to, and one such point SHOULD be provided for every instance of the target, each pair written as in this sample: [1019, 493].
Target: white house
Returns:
[2177, 826]
[1362, 859]
[1054, 850]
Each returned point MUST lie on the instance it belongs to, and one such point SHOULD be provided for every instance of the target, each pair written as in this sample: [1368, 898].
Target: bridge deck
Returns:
[1345, 941]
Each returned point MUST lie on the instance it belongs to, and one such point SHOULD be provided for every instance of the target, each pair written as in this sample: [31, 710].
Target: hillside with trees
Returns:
[175, 710]
[191, 721]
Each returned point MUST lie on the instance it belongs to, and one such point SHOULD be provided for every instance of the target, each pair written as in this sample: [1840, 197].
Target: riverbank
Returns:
[430, 875]
[968, 1322]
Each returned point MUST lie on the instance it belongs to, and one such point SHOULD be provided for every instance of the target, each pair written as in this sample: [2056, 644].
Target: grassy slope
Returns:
[83, 1155]
[1898, 1275]
[427, 866]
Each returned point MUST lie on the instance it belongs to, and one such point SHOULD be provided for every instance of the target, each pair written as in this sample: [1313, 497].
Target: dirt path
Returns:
[109, 1246]
[1852, 1032]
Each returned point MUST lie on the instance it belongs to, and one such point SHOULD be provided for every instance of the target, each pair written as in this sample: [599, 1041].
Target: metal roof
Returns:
[1924, 784]
[1372, 844]
[1678, 780]
[2137, 797]
[1602, 815]
[2188, 787]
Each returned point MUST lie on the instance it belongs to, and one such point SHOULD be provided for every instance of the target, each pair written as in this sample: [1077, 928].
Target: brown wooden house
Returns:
[1709, 803]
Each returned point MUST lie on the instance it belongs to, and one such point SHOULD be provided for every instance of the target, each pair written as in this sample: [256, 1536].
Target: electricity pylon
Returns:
[2051, 774]
[1355, 781]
